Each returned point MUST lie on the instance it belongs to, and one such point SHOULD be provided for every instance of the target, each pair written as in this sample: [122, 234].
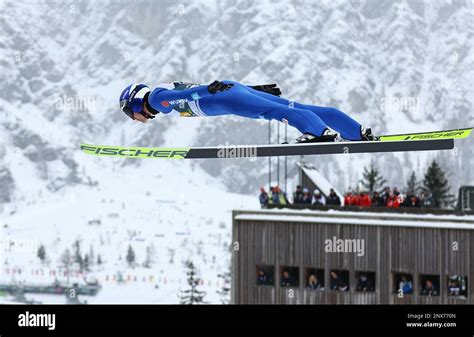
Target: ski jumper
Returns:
[188, 99]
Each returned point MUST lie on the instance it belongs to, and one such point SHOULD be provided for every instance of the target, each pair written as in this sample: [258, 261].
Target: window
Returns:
[339, 280]
[314, 278]
[365, 281]
[403, 282]
[265, 275]
[429, 285]
[289, 277]
[457, 286]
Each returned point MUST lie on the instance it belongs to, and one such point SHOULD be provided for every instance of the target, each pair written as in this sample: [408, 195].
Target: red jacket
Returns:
[364, 200]
[393, 201]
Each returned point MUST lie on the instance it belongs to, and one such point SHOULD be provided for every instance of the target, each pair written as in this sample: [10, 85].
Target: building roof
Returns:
[360, 218]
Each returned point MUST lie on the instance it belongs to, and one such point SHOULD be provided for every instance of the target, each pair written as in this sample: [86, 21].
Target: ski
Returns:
[443, 134]
[425, 141]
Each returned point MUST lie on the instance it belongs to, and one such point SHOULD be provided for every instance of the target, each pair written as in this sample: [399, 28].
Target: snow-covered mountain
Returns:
[397, 66]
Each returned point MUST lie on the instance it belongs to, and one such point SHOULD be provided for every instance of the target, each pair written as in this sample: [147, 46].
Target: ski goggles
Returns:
[126, 108]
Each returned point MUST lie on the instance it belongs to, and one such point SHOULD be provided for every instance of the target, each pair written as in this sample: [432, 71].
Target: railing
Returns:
[374, 209]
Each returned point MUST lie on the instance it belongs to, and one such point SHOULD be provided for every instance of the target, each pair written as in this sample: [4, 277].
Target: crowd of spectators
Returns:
[301, 196]
[388, 197]
[275, 197]
[391, 197]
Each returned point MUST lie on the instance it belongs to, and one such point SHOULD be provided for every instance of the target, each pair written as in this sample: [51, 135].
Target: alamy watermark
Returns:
[398, 104]
[76, 103]
[237, 151]
[336, 245]
[37, 320]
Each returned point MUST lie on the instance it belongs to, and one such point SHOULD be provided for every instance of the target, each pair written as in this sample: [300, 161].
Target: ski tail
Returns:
[445, 134]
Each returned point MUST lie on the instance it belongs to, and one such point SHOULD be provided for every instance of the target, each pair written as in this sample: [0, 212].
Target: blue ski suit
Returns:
[188, 99]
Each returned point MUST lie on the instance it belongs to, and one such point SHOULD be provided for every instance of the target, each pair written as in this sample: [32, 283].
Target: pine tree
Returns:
[224, 291]
[66, 261]
[41, 253]
[435, 181]
[91, 255]
[372, 179]
[99, 260]
[86, 262]
[412, 183]
[149, 259]
[192, 295]
[77, 254]
[130, 256]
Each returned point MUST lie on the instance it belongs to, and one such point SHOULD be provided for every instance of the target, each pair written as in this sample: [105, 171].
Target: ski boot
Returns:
[327, 136]
[366, 135]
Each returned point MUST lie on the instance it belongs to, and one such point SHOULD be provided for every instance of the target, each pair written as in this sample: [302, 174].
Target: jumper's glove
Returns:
[268, 88]
[217, 86]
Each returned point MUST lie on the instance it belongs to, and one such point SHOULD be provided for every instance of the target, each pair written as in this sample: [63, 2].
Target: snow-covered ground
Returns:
[179, 210]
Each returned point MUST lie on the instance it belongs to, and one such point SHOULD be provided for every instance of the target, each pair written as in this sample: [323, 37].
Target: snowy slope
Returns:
[394, 65]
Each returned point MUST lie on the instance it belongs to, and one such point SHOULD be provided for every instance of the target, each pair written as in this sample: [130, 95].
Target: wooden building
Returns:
[337, 257]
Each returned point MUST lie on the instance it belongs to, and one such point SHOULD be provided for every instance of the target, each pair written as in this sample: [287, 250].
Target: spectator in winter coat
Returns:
[306, 196]
[318, 198]
[347, 198]
[336, 282]
[355, 200]
[298, 195]
[364, 200]
[429, 289]
[278, 197]
[376, 200]
[396, 192]
[385, 195]
[428, 200]
[333, 198]
[411, 200]
[286, 280]
[393, 200]
[263, 197]
[405, 286]
[364, 284]
[314, 283]
[263, 278]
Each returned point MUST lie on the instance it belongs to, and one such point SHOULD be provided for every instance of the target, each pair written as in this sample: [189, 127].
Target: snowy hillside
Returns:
[394, 65]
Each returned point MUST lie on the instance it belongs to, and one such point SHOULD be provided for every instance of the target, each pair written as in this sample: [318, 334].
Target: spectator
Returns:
[393, 200]
[385, 195]
[364, 200]
[411, 200]
[318, 198]
[263, 278]
[285, 279]
[355, 199]
[396, 192]
[347, 198]
[298, 195]
[306, 196]
[377, 200]
[314, 283]
[333, 198]
[277, 196]
[281, 196]
[364, 284]
[263, 197]
[429, 289]
[337, 283]
[428, 200]
[453, 288]
[405, 285]
[351, 199]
